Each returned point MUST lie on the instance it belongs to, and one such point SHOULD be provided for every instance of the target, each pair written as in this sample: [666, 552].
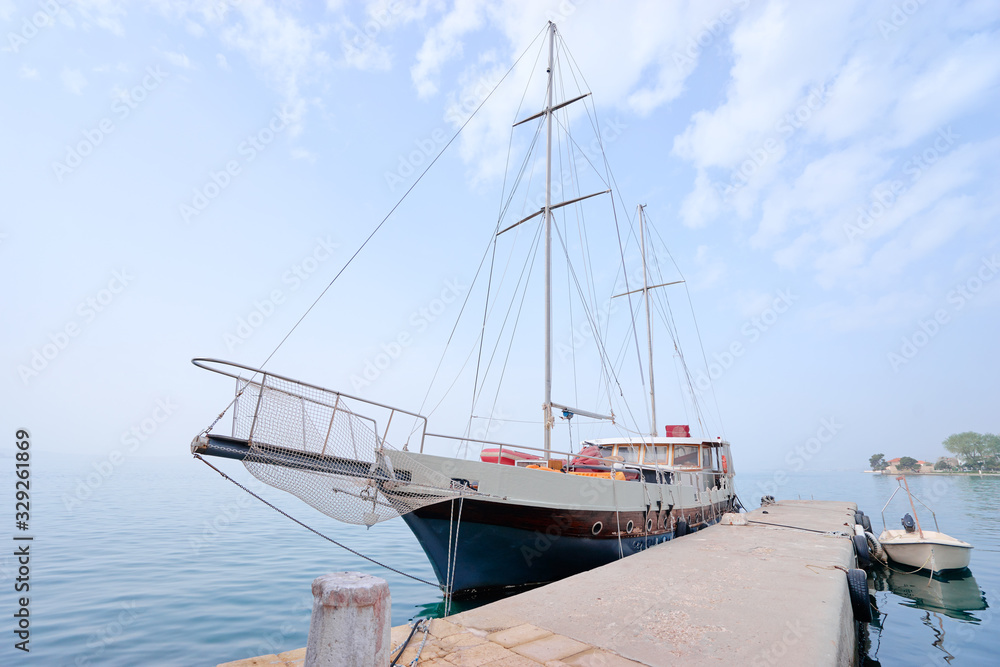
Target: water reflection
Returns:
[953, 594]
[437, 608]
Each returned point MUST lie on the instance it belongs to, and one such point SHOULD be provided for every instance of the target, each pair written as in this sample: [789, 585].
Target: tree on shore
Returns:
[942, 464]
[975, 450]
[878, 462]
[908, 463]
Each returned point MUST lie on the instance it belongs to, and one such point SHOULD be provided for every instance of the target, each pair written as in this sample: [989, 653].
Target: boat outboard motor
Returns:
[908, 524]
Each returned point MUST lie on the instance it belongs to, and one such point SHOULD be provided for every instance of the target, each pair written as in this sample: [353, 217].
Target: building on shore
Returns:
[893, 468]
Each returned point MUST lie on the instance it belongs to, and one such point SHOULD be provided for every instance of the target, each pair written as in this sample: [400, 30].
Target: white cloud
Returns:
[361, 42]
[105, 14]
[444, 42]
[805, 43]
[709, 271]
[701, 204]
[865, 312]
[73, 80]
[647, 69]
[304, 154]
[951, 84]
[27, 72]
[285, 49]
[824, 185]
[221, 61]
[178, 60]
[360, 50]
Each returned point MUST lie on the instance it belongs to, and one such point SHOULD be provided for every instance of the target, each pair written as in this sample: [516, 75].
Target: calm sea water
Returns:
[166, 563]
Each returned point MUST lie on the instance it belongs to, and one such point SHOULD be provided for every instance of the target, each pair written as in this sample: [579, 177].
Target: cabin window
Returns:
[686, 456]
[709, 458]
[629, 454]
[658, 455]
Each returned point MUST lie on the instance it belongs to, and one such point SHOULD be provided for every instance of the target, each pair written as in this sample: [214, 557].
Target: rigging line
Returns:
[447, 576]
[475, 345]
[526, 278]
[458, 318]
[671, 324]
[569, 285]
[487, 308]
[503, 209]
[596, 128]
[619, 358]
[582, 152]
[513, 421]
[610, 371]
[457, 377]
[682, 361]
[591, 318]
[309, 528]
[580, 215]
[677, 353]
[635, 334]
[614, 210]
[453, 557]
[401, 199]
[585, 246]
[701, 343]
[510, 346]
[572, 346]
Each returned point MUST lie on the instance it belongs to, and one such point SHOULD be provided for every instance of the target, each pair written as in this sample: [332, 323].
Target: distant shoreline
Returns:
[936, 473]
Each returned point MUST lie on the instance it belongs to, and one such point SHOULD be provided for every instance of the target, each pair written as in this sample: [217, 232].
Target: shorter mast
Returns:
[649, 323]
[645, 289]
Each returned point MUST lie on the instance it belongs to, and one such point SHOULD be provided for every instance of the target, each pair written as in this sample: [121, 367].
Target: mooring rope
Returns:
[452, 555]
[398, 651]
[912, 571]
[310, 528]
[781, 525]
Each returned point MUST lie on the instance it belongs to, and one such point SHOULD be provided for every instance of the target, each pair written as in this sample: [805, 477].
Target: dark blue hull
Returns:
[493, 557]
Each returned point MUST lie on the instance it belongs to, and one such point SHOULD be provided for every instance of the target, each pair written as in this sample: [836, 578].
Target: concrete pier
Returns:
[772, 591]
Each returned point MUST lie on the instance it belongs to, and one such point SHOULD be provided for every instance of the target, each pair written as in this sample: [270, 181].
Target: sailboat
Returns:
[521, 514]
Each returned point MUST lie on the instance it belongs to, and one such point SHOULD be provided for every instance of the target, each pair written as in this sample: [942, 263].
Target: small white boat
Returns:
[927, 550]
[923, 549]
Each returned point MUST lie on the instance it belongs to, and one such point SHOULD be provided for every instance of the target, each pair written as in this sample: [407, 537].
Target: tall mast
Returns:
[548, 248]
[649, 324]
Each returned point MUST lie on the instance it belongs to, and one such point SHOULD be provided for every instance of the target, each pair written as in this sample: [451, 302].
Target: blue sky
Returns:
[824, 176]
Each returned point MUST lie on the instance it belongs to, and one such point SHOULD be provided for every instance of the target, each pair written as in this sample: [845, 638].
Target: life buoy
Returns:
[725, 464]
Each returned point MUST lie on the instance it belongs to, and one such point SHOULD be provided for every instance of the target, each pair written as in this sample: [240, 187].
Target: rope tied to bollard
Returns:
[398, 652]
[311, 529]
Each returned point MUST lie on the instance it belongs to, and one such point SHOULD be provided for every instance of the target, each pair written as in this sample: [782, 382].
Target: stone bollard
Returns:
[351, 621]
